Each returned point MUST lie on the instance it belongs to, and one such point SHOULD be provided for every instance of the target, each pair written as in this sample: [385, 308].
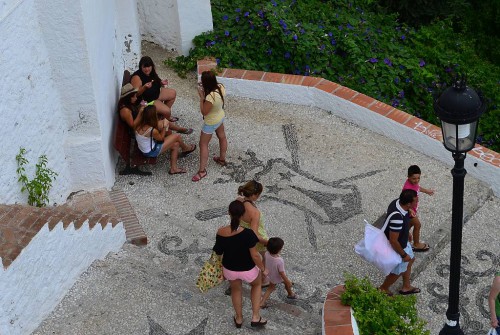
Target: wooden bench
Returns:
[126, 145]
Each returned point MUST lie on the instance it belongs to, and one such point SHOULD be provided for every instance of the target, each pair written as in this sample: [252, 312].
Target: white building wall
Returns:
[62, 64]
[34, 284]
[31, 113]
[174, 23]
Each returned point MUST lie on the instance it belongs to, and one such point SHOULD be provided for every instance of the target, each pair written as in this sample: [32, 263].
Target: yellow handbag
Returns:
[210, 274]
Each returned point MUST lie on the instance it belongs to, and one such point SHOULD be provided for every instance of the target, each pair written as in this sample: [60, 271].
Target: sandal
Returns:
[185, 153]
[425, 248]
[186, 132]
[221, 162]
[238, 325]
[180, 171]
[258, 323]
[198, 176]
[412, 291]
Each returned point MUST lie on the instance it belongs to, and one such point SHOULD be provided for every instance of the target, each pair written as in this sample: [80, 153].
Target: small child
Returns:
[412, 183]
[276, 267]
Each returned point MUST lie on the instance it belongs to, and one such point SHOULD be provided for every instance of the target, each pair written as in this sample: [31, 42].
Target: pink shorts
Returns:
[248, 276]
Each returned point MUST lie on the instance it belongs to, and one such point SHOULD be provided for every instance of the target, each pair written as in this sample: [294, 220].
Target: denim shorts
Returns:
[156, 150]
[403, 266]
[210, 129]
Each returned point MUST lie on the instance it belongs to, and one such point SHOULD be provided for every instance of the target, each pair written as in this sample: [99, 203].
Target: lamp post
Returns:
[459, 108]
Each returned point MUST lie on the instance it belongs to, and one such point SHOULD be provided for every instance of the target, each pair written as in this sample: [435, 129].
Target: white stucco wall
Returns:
[174, 23]
[31, 111]
[63, 64]
[37, 280]
[413, 135]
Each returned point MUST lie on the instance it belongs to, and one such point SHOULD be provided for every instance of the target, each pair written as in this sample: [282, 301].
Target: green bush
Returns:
[349, 43]
[38, 188]
[377, 313]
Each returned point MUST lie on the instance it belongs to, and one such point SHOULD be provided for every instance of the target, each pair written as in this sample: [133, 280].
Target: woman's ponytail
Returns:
[236, 211]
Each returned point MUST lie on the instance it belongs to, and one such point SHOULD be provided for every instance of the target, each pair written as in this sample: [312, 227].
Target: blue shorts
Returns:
[156, 150]
[210, 129]
[403, 266]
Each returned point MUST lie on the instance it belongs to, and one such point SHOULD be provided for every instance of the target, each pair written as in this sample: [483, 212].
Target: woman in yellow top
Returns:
[252, 218]
[212, 108]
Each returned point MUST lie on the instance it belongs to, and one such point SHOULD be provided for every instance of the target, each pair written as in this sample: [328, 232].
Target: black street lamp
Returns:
[459, 109]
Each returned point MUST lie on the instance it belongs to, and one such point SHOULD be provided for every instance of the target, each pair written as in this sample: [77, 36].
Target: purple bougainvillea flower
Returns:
[269, 51]
[373, 60]
[225, 17]
[349, 26]
[387, 61]
[274, 3]
[407, 80]
[396, 80]
[212, 43]
[260, 14]
[322, 47]
[403, 37]
[226, 32]
[401, 94]
[287, 54]
[330, 34]
[422, 63]
[218, 61]
[237, 19]
[295, 37]
[447, 69]
[246, 14]
[340, 27]
[302, 31]
[333, 42]
[238, 10]
[395, 103]
[283, 24]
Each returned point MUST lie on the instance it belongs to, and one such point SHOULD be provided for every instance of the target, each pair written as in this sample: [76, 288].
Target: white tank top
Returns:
[144, 142]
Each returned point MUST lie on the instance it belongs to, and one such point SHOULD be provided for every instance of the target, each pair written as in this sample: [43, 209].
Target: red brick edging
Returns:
[336, 317]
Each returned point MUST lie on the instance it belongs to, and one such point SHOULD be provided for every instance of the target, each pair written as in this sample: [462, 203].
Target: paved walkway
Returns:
[322, 177]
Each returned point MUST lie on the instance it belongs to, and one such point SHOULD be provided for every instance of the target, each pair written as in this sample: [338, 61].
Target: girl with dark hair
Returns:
[152, 89]
[153, 138]
[252, 219]
[128, 106]
[212, 108]
[241, 262]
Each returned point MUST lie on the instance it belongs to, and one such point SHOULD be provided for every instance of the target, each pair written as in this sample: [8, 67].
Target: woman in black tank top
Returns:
[151, 88]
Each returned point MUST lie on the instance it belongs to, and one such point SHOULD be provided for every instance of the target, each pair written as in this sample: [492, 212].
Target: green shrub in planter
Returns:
[377, 313]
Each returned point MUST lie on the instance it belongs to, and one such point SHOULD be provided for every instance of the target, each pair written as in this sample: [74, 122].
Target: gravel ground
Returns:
[322, 177]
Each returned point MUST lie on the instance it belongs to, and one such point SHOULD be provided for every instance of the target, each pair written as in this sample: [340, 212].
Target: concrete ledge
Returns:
[483, 163]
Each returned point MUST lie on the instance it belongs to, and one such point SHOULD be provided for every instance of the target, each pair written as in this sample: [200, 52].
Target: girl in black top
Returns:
[151, 89]
[241, 261]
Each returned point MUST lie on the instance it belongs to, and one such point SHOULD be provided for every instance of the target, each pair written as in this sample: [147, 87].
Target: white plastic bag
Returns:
[376, 248]
[492, 331]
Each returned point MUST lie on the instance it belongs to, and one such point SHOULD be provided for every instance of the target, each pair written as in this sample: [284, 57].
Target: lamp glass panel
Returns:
[459, 138]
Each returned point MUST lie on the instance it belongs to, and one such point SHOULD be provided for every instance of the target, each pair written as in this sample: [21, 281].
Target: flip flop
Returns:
[414, 290]
[186, 132]
[220, 161]
[185, 153]
[425, 248]
[178, 172]
[258, 323]
[238, 325]
[198, 176]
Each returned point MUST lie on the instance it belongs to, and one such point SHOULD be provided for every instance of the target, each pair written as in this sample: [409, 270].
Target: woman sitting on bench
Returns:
[128, 106]
[152, 138]
[151, 89]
